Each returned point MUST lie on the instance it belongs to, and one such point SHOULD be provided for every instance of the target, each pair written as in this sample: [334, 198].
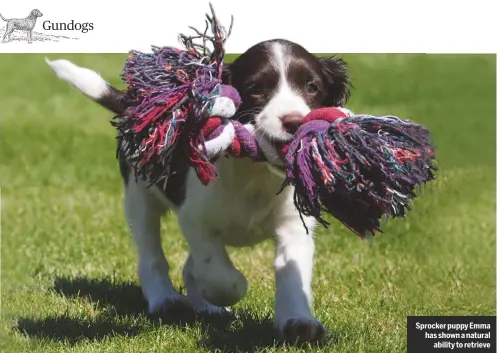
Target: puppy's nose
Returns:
[291, 122]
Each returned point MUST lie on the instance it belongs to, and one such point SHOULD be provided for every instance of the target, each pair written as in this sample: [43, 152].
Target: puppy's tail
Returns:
[90, 84]
[3, 18]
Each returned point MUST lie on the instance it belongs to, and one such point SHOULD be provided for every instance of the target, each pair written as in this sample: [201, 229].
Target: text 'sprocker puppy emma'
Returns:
[279, 82]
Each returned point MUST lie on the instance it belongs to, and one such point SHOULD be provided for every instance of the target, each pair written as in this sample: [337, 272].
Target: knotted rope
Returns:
[359, 168]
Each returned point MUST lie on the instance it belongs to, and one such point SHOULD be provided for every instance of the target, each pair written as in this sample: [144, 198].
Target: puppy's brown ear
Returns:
[226, 75]
[338, 83]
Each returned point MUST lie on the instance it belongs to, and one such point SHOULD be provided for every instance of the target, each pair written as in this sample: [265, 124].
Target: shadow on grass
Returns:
[123, 313]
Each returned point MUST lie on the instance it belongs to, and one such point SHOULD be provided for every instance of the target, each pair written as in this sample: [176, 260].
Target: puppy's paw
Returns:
[298, 331]
[173, 308]
[209, 309]
[223, 288]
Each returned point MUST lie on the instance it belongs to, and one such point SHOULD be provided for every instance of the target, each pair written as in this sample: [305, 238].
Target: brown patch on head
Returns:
[255, 77]
[336, 72]
[321, 81]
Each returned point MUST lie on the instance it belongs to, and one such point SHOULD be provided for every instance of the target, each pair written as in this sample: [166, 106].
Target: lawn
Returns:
[68, 279]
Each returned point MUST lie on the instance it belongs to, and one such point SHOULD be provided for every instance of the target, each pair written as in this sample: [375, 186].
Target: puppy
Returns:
[279, 82]
[22, 24]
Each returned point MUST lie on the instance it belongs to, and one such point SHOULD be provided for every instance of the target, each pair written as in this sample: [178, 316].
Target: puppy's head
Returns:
[280, 82]
[36, 13]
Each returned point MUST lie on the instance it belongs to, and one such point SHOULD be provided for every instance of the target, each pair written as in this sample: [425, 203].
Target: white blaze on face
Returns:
[285, 100]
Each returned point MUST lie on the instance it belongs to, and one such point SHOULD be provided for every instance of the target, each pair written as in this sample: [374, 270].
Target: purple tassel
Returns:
[361, 170]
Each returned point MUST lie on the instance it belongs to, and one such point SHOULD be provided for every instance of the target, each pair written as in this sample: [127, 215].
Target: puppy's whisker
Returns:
[253, 112]
[262, 136]
[256, 130]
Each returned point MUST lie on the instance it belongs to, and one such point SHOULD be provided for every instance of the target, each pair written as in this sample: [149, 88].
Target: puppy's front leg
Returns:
[217, 280]
[293, 269]
[143, 213]
[194, 292]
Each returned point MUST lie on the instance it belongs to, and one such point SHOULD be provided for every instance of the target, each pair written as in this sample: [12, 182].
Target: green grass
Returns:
[69, 281]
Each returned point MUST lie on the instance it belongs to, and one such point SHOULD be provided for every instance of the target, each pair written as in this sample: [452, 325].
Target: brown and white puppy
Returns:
[279, 82]
[21, 24]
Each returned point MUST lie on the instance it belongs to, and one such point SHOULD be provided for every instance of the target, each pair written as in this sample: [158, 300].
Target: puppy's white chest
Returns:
[241, 208]
[243, 219]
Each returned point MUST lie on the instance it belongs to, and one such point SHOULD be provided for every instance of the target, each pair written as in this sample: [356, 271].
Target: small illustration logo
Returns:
[26, 24]
[22, 29]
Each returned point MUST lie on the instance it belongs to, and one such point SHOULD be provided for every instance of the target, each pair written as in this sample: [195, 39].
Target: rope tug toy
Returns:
[361, 169]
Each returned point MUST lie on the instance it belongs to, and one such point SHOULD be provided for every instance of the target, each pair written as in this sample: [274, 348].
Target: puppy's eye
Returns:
[311, 87]
[255, 90]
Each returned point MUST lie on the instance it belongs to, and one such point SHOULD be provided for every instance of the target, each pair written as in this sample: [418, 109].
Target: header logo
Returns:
[22, 29]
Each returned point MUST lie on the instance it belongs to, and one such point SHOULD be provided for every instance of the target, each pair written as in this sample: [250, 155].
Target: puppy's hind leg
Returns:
[30, 36]
[143, 212]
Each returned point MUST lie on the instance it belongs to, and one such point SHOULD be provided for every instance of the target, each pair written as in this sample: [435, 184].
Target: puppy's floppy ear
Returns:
[226, 75]
[338, 83]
